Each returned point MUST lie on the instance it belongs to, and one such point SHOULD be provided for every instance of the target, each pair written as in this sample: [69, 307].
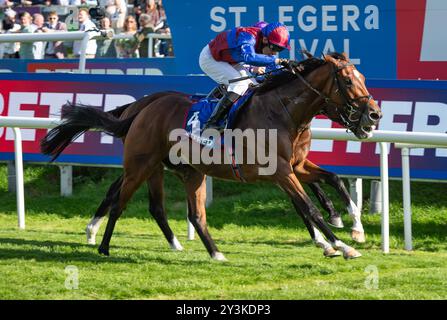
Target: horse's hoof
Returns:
[175, 245]
[176, 248]
[336, 222]
[91, 238]
[103, 251]
[358, 236]
[218, 256]
[351, 254]
[331, 253]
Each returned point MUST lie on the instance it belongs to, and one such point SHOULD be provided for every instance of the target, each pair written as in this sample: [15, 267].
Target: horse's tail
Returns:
[118, 111]
[77, 120]
[80, 118]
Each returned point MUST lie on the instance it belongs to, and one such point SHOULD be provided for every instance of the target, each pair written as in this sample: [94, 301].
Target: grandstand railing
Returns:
[54, 36]
[83, 36]
[415, 139]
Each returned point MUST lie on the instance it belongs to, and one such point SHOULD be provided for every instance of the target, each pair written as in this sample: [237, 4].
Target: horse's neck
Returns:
[302, 103]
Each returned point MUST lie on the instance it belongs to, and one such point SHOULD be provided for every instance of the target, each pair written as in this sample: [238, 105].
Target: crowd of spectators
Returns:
[131, 20]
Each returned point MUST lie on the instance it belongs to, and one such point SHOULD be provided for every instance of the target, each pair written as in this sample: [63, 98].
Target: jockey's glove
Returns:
[291, 64]
[283, 62]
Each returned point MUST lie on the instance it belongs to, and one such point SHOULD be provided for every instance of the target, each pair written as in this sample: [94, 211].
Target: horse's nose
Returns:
[374, 114]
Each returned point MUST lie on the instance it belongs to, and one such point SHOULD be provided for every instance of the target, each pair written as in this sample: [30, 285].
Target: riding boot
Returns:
[221, 111]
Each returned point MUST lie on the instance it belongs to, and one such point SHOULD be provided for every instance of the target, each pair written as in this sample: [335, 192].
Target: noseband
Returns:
[346, 118]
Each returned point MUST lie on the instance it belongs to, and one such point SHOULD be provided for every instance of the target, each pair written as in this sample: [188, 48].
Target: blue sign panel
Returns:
[365, 30]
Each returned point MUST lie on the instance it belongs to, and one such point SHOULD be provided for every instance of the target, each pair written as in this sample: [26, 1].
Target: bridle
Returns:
[347, 118]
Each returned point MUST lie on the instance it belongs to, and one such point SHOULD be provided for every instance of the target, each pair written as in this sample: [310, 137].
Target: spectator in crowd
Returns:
[106, 48]
[38, 20]
[127, 48]
[152, 11]
[139, 7]
[6, 3]
[163, 47]
[116, 10]
[146, 27]
[39, 46]
[9, 25]
[55, 49]
[27, 50]
[85, 24]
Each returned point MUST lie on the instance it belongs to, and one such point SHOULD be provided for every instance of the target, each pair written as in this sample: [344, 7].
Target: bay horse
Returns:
[306, 171]
[287, 102]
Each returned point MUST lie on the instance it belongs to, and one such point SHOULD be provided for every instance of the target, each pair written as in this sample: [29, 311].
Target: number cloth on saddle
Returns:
[200, 112]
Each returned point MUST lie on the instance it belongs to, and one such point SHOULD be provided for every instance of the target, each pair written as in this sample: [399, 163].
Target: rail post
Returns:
[19, 177]
[385, 197]
[405, 153]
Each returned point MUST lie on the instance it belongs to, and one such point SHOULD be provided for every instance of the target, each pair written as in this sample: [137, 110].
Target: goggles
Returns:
[275, 48]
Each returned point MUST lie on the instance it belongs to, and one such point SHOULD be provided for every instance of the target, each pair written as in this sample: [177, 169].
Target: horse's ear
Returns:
[345, 56]
[330, 59]
[307, 54]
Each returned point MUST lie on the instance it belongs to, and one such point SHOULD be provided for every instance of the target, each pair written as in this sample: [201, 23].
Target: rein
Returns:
[254, 76]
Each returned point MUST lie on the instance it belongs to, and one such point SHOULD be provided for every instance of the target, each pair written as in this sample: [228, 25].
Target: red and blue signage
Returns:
[406, 105]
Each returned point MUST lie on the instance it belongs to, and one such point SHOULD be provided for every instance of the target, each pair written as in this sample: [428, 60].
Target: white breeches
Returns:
[222, 72]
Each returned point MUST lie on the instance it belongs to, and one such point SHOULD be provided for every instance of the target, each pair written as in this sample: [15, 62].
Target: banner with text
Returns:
[406, 105]
[386, 39]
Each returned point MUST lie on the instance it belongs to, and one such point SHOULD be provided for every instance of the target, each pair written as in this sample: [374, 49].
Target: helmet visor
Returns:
[275, 48]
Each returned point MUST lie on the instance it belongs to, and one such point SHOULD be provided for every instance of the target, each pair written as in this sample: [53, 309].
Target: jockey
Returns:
[224, 57]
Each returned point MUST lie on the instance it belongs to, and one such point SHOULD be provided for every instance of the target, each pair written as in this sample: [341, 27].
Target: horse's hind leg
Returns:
[195, 184]
[157, 209]
[136, 170]
[101, 212]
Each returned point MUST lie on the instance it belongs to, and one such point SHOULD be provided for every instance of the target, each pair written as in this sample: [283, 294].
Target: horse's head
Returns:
[348, 101]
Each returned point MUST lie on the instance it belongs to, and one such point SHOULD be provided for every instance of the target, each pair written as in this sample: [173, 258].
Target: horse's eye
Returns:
[348, 82]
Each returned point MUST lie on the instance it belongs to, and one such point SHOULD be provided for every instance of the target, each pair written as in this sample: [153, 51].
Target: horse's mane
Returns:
[275, 80]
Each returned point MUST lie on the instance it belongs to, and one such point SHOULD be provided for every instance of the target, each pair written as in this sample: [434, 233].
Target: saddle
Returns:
[201, 110]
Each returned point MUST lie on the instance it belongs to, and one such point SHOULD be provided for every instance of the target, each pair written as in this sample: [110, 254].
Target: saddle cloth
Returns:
[200, 112]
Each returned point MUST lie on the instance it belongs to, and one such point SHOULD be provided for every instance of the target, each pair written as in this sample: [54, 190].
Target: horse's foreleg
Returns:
[318, 239]
[328, 206]
[195, 184]
[358, 233]
[290, 184]
[101, 212]
[312, 178]
[157, 209]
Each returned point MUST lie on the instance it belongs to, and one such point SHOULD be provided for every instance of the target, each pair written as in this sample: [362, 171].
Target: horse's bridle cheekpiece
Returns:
[346, 119]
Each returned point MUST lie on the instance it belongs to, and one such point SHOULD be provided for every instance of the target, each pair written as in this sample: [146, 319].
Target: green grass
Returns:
[269, 250]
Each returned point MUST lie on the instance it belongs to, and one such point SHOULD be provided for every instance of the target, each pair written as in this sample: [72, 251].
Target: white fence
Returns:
[415, 139]
[83, 36]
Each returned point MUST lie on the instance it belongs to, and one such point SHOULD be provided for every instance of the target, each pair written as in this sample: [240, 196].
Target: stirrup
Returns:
[217, 93]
